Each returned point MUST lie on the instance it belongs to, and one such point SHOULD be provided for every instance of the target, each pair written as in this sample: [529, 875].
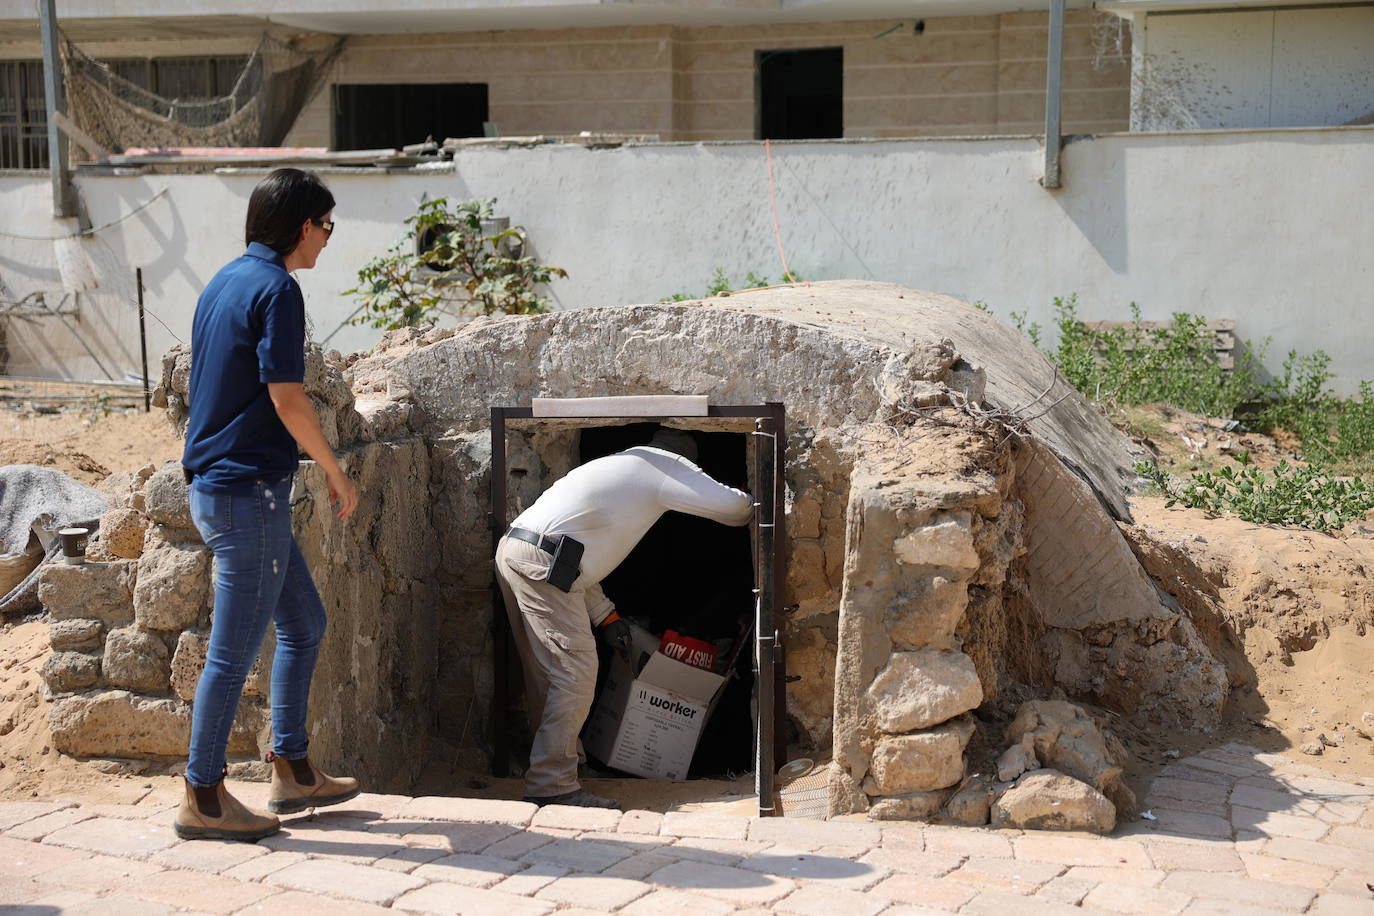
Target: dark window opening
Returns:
[801, 94]
[694, 576]
[23, 116]
[391, 116]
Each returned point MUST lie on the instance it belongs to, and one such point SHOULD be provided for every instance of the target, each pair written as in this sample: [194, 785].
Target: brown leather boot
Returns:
[213, 814]
[299, 784]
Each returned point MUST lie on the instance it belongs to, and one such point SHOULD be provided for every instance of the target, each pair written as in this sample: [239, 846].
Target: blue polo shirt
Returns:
[249, 330]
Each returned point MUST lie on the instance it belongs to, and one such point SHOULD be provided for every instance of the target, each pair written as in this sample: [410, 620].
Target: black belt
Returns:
[546, 544]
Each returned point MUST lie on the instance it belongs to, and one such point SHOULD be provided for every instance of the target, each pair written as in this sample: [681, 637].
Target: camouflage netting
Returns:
[270, 90]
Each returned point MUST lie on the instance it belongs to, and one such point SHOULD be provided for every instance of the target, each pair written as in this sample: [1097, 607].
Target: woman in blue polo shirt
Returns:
[249, 418]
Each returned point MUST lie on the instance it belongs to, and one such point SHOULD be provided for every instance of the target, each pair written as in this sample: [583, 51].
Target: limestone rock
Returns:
[1066, 738]
[806, 571]
[189, 661]
[173, 589]
[121, 533]
[968, 380]
[1366, 727]
[80, 634]
[65, 672]
[1312, 748]
[1048, 800]
[923, 688]
[915, 806]
[166, 500]
[383, 419]
[946, 541]
[1017, 759]
[136, 659]
[117, 723]
[928, 615]
[921, 762]
[100, 590]
[971, 805]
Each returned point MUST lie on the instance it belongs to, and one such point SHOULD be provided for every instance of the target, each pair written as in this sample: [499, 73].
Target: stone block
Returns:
[122, 531]
[194, 893]
[452, 900]
[65, 672]
[114, 837]
[947, 541]
[99, 590]
[342, 879]
[922, 688]
[188, 661]
[117, 723]
[1016, 760]
[971, 805]
[136, 659]
[712, 826]
[1066, 738]
[1048, 800]
[909, 807]
[1239, 889]
[81, 634]
[928, 614]
[927, 760]
[735, 885]
[824, 900]
[173, 588]
[165, 497]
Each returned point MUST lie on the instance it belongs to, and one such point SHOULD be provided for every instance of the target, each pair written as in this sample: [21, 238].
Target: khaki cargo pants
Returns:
[553, 635]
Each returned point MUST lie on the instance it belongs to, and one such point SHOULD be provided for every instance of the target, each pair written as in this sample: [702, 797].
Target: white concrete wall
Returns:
[1254, 68]
[1262, 227]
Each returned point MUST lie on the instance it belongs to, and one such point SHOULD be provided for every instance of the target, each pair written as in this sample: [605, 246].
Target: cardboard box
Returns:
[649, 724]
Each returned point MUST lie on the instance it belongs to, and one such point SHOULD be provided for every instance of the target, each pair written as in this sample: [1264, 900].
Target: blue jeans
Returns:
[260, 576]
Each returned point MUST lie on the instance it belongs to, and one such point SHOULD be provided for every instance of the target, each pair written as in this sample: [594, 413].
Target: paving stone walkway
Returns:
[1236, 832]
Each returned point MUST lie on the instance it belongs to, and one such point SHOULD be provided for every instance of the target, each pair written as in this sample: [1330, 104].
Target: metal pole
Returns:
[1053, 90]
[63, 199]
[143, 342]
[496, 519]
[779, 582]
[765, 634]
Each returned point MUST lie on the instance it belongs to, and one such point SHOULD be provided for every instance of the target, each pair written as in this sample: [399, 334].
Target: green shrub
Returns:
[1334, 431]
[463, 270]
[1285, 495]
[1132, 365]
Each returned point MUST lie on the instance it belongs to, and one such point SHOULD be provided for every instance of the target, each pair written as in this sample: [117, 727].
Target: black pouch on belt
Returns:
[567, 564]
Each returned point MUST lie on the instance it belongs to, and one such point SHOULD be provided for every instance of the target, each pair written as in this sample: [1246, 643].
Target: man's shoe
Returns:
[299, 784]
[579, 798]
[213, 814]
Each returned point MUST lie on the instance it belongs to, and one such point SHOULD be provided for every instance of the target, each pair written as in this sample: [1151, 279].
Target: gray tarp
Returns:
[39, 501]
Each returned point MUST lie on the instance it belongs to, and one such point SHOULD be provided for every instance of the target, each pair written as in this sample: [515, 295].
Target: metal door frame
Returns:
[770, 572]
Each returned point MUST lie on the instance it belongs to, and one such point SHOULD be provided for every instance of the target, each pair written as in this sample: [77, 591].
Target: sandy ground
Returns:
[1298, 607]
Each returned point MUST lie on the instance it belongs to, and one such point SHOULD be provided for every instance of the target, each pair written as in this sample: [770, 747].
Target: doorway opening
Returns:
[695, 577]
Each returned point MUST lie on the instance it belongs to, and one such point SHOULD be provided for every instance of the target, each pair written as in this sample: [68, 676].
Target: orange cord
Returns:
[773, 199]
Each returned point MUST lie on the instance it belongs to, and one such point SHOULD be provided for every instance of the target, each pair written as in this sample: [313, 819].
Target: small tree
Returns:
[457, 268]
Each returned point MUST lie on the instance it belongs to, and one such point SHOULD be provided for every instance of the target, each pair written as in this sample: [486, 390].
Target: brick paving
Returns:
[1234, 832]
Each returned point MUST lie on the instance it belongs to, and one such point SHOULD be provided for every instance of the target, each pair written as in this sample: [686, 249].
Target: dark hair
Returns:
[280, 205]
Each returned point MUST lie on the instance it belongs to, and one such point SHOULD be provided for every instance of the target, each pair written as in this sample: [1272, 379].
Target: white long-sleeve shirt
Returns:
[610, 503]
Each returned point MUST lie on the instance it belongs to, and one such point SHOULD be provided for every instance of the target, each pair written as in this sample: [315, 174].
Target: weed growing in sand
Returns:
[1284, 495]
[1336, 433]
[720, 285]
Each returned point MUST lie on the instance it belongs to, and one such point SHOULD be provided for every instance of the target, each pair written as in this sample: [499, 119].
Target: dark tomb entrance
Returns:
[695, 577]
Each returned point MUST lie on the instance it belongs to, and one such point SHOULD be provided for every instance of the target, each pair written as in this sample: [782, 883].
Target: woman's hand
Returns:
[342, 491]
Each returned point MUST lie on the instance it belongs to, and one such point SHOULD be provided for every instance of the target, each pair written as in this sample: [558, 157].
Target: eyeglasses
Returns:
[326, 224]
